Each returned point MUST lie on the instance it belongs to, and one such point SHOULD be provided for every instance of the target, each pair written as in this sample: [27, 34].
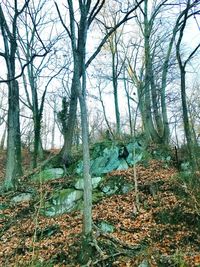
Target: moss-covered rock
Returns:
[48, 174]
[61, 202]
[22, 197]
[106, 159]
[79, 185]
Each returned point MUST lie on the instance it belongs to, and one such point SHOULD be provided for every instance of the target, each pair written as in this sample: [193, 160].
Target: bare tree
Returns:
[192, 7]
[111, 16]
[10, 38]
[77, 33]
[35, 22]
[151, 80]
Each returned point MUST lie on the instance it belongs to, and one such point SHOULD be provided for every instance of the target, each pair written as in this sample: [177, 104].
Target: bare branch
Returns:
[23, 68]
[95, 11]
[126, 18]
[191, 55]
[45, 91]
[2, 55]
[35, 29]
[24, 6]
[61, 19]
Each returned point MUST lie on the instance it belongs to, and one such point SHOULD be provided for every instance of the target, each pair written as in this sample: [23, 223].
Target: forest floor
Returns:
[164, 232]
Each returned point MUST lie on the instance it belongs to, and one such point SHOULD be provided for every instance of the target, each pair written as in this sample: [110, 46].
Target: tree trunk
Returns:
[37, 130]
[128, 103]
[182, 67]
[3, 138]
[13, 165]
[142, 109]
[149, 87]
[155, 104]
[40, 149]
[187, 129]
[166, 130]
[87, 214]
[53, 127]
[109, 130]
[66, 151]
[115, 90]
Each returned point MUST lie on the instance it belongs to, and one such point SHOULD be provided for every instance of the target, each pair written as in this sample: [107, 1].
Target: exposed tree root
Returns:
[121, 248]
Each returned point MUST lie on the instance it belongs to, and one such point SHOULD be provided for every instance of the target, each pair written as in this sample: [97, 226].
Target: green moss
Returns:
[48, 174]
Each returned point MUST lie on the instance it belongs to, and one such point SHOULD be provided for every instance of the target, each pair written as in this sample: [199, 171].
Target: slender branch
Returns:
[44, 93]
[24, 6]
[152, 19]
[61, 19]
[191, 55]
[126, 18]
[142, 11]
[95, 11]
[23, 68]
[25, 104]
[35, 29]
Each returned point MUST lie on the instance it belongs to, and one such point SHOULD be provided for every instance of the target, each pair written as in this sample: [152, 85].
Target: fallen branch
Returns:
[127, 230]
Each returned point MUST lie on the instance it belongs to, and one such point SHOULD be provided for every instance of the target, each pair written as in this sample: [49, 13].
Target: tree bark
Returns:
[3, 138]
[66, 151]
[115, 87]
[150, 129]
[182, 67]
[13, 164]
[187, 129]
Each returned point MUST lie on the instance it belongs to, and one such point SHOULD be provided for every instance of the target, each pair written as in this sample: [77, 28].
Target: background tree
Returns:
[98, 125]
[193, 101]
[10, 39]
[157, 61]
[3, 116]
[110, 18]
[182, 63]
[41, 74]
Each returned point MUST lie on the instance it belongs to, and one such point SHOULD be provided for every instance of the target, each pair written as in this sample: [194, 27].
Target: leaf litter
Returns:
[164, 232]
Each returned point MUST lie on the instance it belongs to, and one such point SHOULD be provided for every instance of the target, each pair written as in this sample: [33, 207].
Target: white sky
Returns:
[191, 38]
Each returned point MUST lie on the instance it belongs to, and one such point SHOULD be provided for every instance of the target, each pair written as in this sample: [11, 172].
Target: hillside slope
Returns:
[164, 232]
